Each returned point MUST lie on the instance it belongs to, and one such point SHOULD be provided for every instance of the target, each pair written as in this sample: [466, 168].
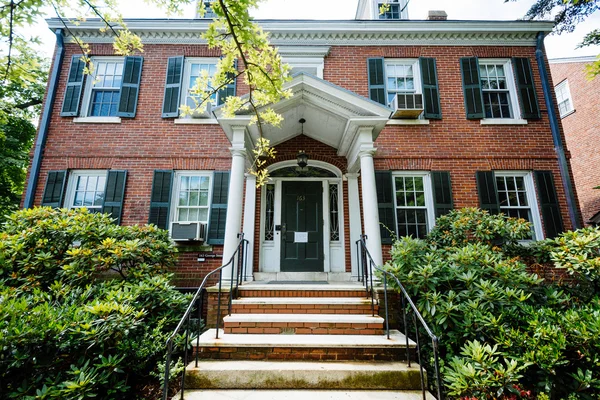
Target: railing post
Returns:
[419, 355]
[167, 369]
[200, 304]
[387, 314]
[436, 362]
[405, 328]
[219, 303]
[185, 354]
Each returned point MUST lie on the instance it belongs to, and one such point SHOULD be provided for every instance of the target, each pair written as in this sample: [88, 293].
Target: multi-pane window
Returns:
[193, 71]
[402, 76]
[106, 87]
[496, 90]
[193, 194]
[517, 198]
[86, 189]
[413, 205]
[209, 11]
[395, 9]
[563, 97]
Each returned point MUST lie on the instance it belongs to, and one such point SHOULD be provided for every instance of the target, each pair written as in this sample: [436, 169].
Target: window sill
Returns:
[408, 122]
[196, 121]
[97, 120]
[567, 114]
[498, 121]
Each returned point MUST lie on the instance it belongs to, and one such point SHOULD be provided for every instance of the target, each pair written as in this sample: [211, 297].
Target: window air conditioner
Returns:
[193, 231]
[407, 106]
[207, 112]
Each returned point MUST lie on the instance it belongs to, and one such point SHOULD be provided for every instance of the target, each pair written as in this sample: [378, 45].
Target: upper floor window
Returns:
[396, 9]
[498, 89]
[192, 196]
[101, 98]
[194, 68]
[402, 76]
[563, 97]
[86, 189]
[209, 11]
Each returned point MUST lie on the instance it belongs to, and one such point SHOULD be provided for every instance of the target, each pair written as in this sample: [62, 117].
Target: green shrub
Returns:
[66, 330]
[503, 330]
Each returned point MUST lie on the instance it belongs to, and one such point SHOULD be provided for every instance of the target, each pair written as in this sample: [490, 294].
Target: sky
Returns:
[556, 46]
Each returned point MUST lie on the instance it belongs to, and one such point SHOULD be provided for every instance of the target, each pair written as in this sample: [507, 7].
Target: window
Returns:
[310, 65]
[563, 97]
[396, 10]
[517, 198]
[414, 204]
[402, 76]
[192, 196]
[193, 70]
[103, 89]
[498, 89]
[86, 189]
[209, 12]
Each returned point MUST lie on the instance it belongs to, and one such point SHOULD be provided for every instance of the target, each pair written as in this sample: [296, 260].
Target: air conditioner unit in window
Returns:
[193, 231]
[206, 114]
[407, 106]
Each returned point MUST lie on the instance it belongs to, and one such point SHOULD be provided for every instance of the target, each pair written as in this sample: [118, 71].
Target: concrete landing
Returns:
[303, 395]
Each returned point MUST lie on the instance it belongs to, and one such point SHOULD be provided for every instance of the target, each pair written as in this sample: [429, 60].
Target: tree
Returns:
[567, 14]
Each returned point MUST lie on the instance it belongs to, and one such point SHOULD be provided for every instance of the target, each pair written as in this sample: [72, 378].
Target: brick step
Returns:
[303, 305]
[261, 289]
[303, 324]
[234, 374]
[304, 347]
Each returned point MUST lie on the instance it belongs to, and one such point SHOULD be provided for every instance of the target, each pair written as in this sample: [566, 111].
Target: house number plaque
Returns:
[300, 237]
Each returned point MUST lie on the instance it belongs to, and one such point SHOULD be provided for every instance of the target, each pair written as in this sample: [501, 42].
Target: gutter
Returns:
[555, 128]
[45, 121]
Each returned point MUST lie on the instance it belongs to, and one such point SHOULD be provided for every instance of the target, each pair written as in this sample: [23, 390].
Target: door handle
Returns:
[283, 230]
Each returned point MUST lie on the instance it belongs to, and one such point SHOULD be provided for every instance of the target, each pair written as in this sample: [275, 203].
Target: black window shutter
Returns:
[130, 86]
[114, 194]
[218, 208]
[376, 73]
[70, 107]
[442, 193]
[526, 89]
[160, 200]
[469, 67]
[385, 204]
[55, 189]
[173, 87]
[488, 193]
[553, 223]
[431, 93]
[228, 90]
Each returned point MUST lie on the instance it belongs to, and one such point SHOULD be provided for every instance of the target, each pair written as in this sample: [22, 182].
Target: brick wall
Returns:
[149, 142]
[582, 130]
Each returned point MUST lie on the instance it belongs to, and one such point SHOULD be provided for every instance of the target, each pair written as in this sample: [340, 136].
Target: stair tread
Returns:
[397, 339]
[280, 366]
[303, 300]
[323, 318]
[305, 394]
[338, 286]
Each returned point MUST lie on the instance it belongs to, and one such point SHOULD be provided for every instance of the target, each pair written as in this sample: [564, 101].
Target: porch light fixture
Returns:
[302, 159]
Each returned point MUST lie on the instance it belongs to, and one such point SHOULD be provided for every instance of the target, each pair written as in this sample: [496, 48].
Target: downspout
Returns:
[45, 121]
[555, 128]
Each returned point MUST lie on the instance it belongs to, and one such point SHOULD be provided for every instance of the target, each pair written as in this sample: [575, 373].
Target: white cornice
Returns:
[327, 33]
[584, 59]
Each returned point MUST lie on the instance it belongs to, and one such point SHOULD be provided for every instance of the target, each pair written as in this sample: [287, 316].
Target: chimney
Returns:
[437, 15]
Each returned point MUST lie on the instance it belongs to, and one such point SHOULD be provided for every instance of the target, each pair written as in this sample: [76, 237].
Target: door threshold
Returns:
[303, 276]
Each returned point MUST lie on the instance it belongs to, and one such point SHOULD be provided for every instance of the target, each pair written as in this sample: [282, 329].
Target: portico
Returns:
[301, 214]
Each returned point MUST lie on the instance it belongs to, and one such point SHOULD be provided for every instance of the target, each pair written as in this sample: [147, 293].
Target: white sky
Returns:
[556, 46]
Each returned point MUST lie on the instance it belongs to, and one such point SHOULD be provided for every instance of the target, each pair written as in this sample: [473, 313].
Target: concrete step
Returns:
[305, 394]
[337, 289]
[332, 277]
[304, 305]
[304, 347]
[305, 324]
[233, 374]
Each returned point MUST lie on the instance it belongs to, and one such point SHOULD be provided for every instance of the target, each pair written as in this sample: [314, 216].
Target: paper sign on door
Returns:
[300, 237]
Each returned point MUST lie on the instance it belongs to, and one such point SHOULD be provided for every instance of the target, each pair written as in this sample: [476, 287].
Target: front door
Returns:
[302, 226]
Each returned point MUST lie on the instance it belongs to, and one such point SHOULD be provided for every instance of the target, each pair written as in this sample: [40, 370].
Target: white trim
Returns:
[303, 51]
[427, 188]
[408, 122]
[249, 222]
[185, 84]
[531, 198]
[418, 87]
[318, 63]
[354, 220]
[311, 163]
[502, 121]
[97, 120]
[584, 59]
[89, 82]
[511, 86]
[72, 182]
[196, 121]
[175, 193]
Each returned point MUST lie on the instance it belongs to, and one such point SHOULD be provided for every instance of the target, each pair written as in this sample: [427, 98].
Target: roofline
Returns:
[581, 59]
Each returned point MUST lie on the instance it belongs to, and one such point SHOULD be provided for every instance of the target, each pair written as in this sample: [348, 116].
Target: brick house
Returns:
[578, 100]
[402, 120]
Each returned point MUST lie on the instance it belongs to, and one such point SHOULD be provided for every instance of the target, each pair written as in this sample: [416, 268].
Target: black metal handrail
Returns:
[366, 268]
[197, 301]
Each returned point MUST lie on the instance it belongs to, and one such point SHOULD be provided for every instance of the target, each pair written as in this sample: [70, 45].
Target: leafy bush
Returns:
[504, 331]
[66, 330]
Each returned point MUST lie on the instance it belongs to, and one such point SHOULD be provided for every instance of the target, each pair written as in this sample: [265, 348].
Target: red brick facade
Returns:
[455, 144]
[582, 131]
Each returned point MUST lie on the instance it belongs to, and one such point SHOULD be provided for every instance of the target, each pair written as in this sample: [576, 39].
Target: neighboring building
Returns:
[578, 99]
[470, 128]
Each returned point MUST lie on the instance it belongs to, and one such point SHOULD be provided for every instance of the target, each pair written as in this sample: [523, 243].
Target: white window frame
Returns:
[175, 193]
[72, 185]
[401, 4]
[511, 86]
[418, 86]
[306, 62]
[87, 94]
[531, 198]
[427, 188]
[185, 83]
[559, 90]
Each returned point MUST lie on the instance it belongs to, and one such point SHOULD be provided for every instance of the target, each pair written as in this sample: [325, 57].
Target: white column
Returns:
[233, 225]
[249, 218]
[370, 209]
[354, 216]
